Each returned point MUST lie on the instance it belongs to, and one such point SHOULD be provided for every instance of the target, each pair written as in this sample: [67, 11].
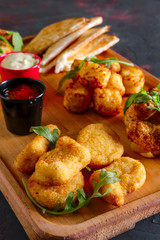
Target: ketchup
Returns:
[21, 92]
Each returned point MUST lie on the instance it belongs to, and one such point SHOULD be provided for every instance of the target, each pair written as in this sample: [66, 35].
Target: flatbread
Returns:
[62, 60]
[57, 47]
[53, 33]
[93, 48]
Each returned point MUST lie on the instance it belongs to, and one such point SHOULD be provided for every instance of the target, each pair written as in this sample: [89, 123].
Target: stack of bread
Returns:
[75, 38]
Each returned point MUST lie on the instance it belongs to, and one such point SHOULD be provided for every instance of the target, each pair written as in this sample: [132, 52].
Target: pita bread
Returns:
[62, 60]
[53, 33]
[57, 47]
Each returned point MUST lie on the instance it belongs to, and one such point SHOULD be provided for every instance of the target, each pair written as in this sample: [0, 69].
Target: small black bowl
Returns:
[20, 115]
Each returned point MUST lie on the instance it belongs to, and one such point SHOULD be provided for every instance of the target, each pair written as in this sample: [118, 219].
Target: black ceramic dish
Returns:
[20, 115]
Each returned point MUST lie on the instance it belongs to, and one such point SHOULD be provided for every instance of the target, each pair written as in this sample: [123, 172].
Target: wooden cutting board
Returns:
[99, 220]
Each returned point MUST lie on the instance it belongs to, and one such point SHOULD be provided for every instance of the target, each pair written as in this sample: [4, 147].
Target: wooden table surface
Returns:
[137, 23]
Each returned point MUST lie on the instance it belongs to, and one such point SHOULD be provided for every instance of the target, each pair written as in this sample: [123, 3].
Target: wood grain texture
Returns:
[99, 220]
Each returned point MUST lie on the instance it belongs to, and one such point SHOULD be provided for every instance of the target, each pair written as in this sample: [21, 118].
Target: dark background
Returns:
[136, 23]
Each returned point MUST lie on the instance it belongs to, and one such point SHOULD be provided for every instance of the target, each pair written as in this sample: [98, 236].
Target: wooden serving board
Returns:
[99, 220]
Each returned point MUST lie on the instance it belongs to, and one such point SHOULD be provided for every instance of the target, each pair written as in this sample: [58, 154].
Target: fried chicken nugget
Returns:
[115, 81]
[26, 160]
[107, 101]
[77, 98]
[50, 196]
[59, 165]
[132, 176]
[133, 79]
[94, 75]
[103, 144]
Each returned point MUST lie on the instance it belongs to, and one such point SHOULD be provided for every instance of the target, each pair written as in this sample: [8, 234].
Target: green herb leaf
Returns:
[144, 96]
[105, 177]
[88, 168]
[45, 132]
[17, 40]
[71, 74]
[1, 51]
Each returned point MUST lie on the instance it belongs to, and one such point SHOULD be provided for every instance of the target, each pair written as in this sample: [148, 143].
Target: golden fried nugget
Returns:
[143, 127]
[115, 67]
[26, 160]
[133, 79]
[107, 101]
[51, 196]
[103, 144]
[59, 165]
[77, 98]
[115, 81]
[5, 48]
[94, 75]
[132, 176]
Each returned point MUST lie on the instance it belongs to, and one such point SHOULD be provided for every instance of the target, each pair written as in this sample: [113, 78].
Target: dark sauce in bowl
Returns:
[21, 92]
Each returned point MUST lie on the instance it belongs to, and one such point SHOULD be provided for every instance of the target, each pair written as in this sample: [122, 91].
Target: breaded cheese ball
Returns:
[77, 98]
[116, 67]
[94, 75]
[107, 101]
[115, 81]
[50, 196]
[59, 165]
[133, 79]
[26, 160]
[103, 144]
[132, 176]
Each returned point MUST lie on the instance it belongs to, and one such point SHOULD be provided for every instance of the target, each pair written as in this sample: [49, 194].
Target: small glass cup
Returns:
[20, 115]
[32, 72]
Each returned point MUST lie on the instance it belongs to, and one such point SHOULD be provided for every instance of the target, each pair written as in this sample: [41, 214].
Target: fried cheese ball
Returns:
[77, 98]
[116, 67]
[103, 144]
[107, 101]
[133, 79]
[26, 160]
[59, 165]
[143, 127]
[94, 75]
[132, 176]
[115, 81]
[50, 196]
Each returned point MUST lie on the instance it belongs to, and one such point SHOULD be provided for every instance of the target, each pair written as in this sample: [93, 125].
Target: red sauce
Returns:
[21, 92]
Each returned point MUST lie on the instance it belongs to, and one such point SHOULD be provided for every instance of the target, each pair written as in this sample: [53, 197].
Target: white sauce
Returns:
[19, 61]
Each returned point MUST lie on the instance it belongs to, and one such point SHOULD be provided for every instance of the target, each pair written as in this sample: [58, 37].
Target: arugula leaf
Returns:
[105, 177]
[45, 132]
[16, 41]
[71, 74]
[144, 96]
[1, 51]
[5, 40]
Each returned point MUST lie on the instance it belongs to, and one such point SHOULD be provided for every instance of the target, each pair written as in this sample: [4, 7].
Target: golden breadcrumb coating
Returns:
[143, 127]
[133, 79]
[116, 67]
[59, 165]
[5, 48]
[94, 75]
[51, 196]
[26, 160]
[115, 81]
[103, 144]
[77, 98]
[107, 101]
[132, 176]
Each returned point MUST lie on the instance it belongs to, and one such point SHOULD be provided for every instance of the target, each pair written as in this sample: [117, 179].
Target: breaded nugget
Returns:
[107, 101]
[51, 196]
[116, 67]
[26, 160]
[5, 48]
[103, 144]
[115, 81]
[143, 127]
[77, 98]
[132, 176]
[133, 79]
[94, 75]
[59, 165]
